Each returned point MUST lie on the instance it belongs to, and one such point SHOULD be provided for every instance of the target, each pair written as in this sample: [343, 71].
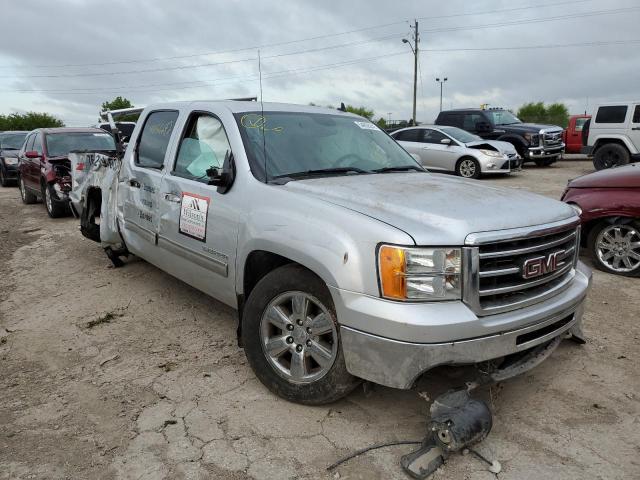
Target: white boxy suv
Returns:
[612, 136]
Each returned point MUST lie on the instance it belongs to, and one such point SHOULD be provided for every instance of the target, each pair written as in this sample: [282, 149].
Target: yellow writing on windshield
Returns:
[253, 120]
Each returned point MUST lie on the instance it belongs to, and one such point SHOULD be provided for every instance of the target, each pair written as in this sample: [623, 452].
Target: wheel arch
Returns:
[620, 140]
[258, 264]
[613, 217]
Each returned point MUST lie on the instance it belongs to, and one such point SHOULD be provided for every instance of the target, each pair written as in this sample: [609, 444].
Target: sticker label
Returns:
[193, 216]
[366, 125]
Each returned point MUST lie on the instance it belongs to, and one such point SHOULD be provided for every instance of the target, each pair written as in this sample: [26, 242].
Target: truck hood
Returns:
[434, 209]
[529, 128]
[627, 176]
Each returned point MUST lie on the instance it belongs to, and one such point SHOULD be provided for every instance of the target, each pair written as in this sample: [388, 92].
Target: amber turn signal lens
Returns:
[392, 272]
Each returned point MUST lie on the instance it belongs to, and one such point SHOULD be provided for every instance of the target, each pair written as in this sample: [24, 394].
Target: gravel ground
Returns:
[129, 373]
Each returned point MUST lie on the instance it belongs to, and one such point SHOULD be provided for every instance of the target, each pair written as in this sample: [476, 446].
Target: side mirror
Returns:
[32, 154]
[446, 141]
[223, 177]
[483, 127]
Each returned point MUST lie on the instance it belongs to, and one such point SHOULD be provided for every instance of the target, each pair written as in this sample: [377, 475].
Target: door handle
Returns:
[425, 148]
[172, 197]
[134, 183]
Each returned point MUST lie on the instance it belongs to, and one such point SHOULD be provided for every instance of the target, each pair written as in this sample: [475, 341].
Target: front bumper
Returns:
[413, 338]
[500, 165]
[534, 153]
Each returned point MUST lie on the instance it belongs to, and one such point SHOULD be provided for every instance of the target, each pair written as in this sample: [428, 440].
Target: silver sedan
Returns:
[452, 149]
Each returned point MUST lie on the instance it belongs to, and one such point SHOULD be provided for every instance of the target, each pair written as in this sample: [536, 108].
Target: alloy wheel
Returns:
[467, 168]
[48, 199]
[299, 337]
[618, 248]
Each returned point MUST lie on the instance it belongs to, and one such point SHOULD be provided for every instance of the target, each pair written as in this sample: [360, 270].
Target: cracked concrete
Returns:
[177, 400]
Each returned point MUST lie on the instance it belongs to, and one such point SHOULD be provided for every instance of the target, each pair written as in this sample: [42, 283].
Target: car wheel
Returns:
[27, 197]
[468, 168]
[55, 208]
[615, 247]
[3, 179]
[291, 338]
[610, 155]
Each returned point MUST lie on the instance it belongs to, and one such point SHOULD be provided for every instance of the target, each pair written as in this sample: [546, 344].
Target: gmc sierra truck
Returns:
[345, 259]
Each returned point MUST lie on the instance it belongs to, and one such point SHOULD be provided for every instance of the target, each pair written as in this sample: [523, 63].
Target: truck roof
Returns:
[236, 106]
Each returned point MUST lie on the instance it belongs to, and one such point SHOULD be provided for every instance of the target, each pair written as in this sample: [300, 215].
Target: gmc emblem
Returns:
[535, 267]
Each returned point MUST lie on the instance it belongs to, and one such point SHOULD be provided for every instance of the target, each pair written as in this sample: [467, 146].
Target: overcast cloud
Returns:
[41, 36]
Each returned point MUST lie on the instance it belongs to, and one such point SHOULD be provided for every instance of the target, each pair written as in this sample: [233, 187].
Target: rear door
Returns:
[198, 225]
[436, 154]
[634, 133]
[23, 161]
[141, 216]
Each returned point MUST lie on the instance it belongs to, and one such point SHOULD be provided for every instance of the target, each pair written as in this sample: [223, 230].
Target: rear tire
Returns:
[55, 208]
[27, 196]
[291, 338]
[610, 155]
[468, 167]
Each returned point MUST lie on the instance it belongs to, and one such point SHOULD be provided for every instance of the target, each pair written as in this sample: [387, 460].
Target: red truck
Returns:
[572, 135]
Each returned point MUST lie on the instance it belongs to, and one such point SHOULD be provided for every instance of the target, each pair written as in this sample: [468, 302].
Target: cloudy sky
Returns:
[67, 57]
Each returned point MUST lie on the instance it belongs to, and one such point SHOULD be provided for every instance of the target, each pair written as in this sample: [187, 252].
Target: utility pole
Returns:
[414, 49]
[416, 39]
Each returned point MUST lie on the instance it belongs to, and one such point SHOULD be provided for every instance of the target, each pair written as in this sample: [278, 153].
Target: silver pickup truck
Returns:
[345, 259]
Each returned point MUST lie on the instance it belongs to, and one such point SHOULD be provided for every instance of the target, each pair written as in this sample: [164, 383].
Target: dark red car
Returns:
[44, 168]
[610, 203]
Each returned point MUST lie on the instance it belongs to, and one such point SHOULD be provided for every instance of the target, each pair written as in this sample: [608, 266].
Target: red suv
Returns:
[44, 168]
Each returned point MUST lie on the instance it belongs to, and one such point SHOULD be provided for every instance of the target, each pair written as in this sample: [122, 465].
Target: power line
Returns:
[535, 20]
[200, 83]
[221, 80]
[289, 42]
[182, 67]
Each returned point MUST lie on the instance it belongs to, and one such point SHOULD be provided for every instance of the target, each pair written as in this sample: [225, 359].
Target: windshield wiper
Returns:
[401, 168]
[321, 171]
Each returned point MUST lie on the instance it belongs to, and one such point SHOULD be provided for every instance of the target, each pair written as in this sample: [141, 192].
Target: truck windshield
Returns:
[460, 135]
[60, 144]
[502, 117]
[12, 141]
[298, 144]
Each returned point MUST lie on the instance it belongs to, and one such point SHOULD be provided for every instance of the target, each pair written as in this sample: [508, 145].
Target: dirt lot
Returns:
[128, 373]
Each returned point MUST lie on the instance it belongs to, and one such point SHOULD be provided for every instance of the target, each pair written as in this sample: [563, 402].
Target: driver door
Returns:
[198, 225]
[441, 156]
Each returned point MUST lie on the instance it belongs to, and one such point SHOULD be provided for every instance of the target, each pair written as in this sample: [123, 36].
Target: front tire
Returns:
[614, 247]
[610, 155]
[545, 162]
[28, 197]
[4, 181]
[55, 208]
[468, 167]
[291, 338]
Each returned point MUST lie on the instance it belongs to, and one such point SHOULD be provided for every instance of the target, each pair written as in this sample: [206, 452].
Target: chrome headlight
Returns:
[420, 274]
[491, 153]
[11, 160]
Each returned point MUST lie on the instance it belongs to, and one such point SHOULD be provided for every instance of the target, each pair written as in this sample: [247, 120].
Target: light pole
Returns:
[441, 82]
[414, 49]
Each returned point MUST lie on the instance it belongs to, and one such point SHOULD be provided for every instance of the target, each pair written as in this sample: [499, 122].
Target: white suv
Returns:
[612, 136]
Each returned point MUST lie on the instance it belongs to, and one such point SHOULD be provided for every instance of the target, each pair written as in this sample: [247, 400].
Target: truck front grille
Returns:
[552, 139]
[509, 273]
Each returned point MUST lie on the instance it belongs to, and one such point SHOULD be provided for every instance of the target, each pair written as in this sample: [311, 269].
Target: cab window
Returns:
[154, 138]
[204, 145]
[471, 121]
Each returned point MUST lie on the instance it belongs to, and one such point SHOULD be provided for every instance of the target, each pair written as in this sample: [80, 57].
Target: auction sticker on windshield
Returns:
[193, 216]
[366, 125]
